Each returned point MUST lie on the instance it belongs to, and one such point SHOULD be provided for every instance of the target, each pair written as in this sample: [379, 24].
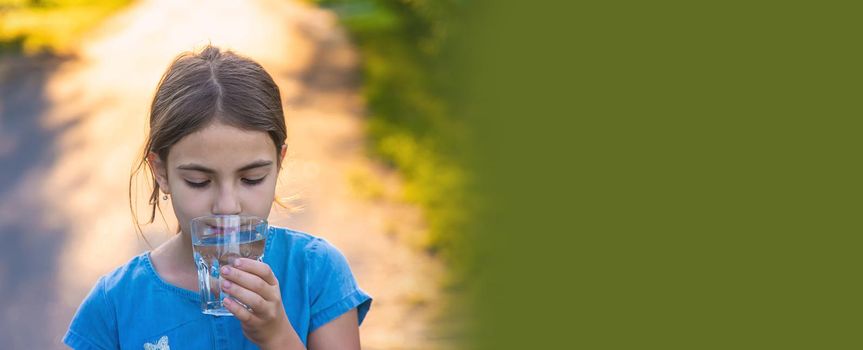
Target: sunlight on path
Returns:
[107, 92]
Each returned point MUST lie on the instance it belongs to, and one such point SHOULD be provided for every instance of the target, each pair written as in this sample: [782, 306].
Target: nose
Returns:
[227, 202]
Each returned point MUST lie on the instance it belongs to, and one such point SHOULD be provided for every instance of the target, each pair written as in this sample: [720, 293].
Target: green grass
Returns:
[413, 125]
[416, 124]
[31, 27]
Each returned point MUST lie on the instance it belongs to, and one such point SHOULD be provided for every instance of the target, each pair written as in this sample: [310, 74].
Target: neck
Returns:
[178, 249]
[174, 262]
[185, 250]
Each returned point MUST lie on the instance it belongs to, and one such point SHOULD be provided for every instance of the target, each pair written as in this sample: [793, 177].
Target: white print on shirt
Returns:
[161, 345]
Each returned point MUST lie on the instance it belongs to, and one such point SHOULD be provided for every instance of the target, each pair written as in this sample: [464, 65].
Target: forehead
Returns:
[222, 147]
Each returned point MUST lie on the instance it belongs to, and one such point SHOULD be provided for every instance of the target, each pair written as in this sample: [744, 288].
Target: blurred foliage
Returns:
[34, 26]
[405, 47]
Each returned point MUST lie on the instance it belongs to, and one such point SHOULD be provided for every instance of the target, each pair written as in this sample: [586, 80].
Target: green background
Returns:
[665, 175]
[630, 175]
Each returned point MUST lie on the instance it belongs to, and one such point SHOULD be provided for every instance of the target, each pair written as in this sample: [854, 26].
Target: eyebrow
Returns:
[201, 168]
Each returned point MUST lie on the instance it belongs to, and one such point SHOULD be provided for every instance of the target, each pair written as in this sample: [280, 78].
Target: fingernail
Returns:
[226, 284]
[237, 262]
[226, 270]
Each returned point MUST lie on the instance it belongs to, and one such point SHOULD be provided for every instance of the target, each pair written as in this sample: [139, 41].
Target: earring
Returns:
[165, 197]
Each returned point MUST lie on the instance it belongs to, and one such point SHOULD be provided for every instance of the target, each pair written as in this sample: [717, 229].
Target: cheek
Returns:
[260, 199]
[189, 204]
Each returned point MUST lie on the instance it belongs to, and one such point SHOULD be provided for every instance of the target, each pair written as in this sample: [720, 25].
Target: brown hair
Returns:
[200, 88]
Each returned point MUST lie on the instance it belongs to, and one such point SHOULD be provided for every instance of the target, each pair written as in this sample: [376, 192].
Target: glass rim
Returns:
[241, 217]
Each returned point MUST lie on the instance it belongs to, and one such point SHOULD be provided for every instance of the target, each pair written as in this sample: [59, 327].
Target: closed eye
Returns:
[198, 184]
[253, 181]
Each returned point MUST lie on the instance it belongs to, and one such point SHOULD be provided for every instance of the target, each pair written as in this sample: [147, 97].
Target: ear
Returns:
[160, 170]
[283, 153]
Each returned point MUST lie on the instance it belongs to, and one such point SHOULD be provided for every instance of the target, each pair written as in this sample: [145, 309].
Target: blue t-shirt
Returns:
[133, 308]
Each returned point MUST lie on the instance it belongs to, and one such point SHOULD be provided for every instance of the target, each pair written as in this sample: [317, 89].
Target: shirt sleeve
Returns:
[333, 288]
[94, 325]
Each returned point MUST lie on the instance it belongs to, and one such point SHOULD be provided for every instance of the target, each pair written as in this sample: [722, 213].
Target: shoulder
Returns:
[327, 277]
[312, 248]
[320, 259]
[315, 256]
[95, 324]
[123, 282]
[117, 282]
[132, 272]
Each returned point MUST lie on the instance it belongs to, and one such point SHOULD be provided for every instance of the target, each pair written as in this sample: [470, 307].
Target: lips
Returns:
[216, 230]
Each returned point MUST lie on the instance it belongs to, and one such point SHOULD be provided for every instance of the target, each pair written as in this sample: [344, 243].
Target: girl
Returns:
[216, 145]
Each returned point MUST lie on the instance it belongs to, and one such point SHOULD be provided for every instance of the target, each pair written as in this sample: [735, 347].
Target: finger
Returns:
[249, 281]
[245, 296]
[257, 268]
[245, 316]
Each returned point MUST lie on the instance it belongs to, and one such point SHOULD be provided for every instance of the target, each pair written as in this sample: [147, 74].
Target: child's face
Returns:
[220, 170]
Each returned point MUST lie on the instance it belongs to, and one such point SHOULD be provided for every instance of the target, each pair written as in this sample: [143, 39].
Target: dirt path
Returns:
[92, 123]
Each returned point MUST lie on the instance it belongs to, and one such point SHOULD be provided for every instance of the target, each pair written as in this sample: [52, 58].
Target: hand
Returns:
[265, 322]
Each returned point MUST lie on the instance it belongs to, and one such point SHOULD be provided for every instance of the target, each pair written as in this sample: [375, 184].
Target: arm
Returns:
[341, 333]
[338, 304]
